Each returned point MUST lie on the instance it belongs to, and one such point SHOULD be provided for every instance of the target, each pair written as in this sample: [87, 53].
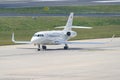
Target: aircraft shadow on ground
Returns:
[50, 50]
[73, 49]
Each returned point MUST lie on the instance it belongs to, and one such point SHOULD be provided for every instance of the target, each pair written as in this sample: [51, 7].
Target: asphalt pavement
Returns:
[79, 62]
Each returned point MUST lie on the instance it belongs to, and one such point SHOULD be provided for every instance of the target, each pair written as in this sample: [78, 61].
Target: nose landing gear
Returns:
[44, 47]
[38, 47]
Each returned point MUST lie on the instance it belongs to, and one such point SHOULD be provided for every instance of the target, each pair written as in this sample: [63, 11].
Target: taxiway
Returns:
[80, 62]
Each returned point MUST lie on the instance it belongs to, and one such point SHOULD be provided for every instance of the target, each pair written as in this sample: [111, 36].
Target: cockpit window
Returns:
[39, 35]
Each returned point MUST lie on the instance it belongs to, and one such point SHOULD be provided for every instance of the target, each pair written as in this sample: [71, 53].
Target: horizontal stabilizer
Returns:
[60, 27]
[82, 27]
[19, 42]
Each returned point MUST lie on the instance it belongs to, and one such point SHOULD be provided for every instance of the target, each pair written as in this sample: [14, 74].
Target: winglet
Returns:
[13, 40]
[112, 37]
[19, 42]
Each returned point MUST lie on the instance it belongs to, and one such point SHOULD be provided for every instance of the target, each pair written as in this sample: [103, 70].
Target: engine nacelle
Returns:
[71, 34]
[68, 33]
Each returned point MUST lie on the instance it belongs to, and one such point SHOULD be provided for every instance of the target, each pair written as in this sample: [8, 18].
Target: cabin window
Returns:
[39, 35]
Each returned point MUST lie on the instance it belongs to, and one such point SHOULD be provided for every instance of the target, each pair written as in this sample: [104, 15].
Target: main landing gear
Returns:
[66, 47]
[44, 47]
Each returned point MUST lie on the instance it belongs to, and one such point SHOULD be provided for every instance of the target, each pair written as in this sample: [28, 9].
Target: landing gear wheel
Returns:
[44, 47]
[66, 47]
[38, 49]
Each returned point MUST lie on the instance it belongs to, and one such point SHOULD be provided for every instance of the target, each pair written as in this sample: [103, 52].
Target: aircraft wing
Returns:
[19, 42]
[73, 42]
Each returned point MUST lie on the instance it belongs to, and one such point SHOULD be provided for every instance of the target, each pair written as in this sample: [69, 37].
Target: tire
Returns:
[65, 47]
[44, 47]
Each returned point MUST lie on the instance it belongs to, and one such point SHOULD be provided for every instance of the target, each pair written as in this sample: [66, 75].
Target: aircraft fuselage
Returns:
[52, 37]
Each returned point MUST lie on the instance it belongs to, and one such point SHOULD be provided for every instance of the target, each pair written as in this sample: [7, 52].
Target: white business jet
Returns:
[56, 37]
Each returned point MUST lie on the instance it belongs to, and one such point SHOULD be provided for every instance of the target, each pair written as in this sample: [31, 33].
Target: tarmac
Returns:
[79, 62]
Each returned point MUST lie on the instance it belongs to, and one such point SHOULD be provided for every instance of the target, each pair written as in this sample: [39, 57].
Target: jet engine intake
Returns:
[68, 33]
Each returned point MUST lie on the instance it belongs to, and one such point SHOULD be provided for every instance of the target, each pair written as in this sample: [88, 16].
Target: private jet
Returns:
[56, 37]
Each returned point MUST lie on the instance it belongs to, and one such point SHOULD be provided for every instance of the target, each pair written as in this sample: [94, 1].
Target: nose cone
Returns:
[34, 40]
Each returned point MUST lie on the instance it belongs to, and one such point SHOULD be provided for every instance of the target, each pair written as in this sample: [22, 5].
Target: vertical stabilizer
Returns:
[69, 22]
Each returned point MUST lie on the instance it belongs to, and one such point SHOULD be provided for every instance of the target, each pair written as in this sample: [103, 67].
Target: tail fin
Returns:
[68, 26]
[69, 22]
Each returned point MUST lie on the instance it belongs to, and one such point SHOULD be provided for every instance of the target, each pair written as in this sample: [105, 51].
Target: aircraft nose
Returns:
[34, 40]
